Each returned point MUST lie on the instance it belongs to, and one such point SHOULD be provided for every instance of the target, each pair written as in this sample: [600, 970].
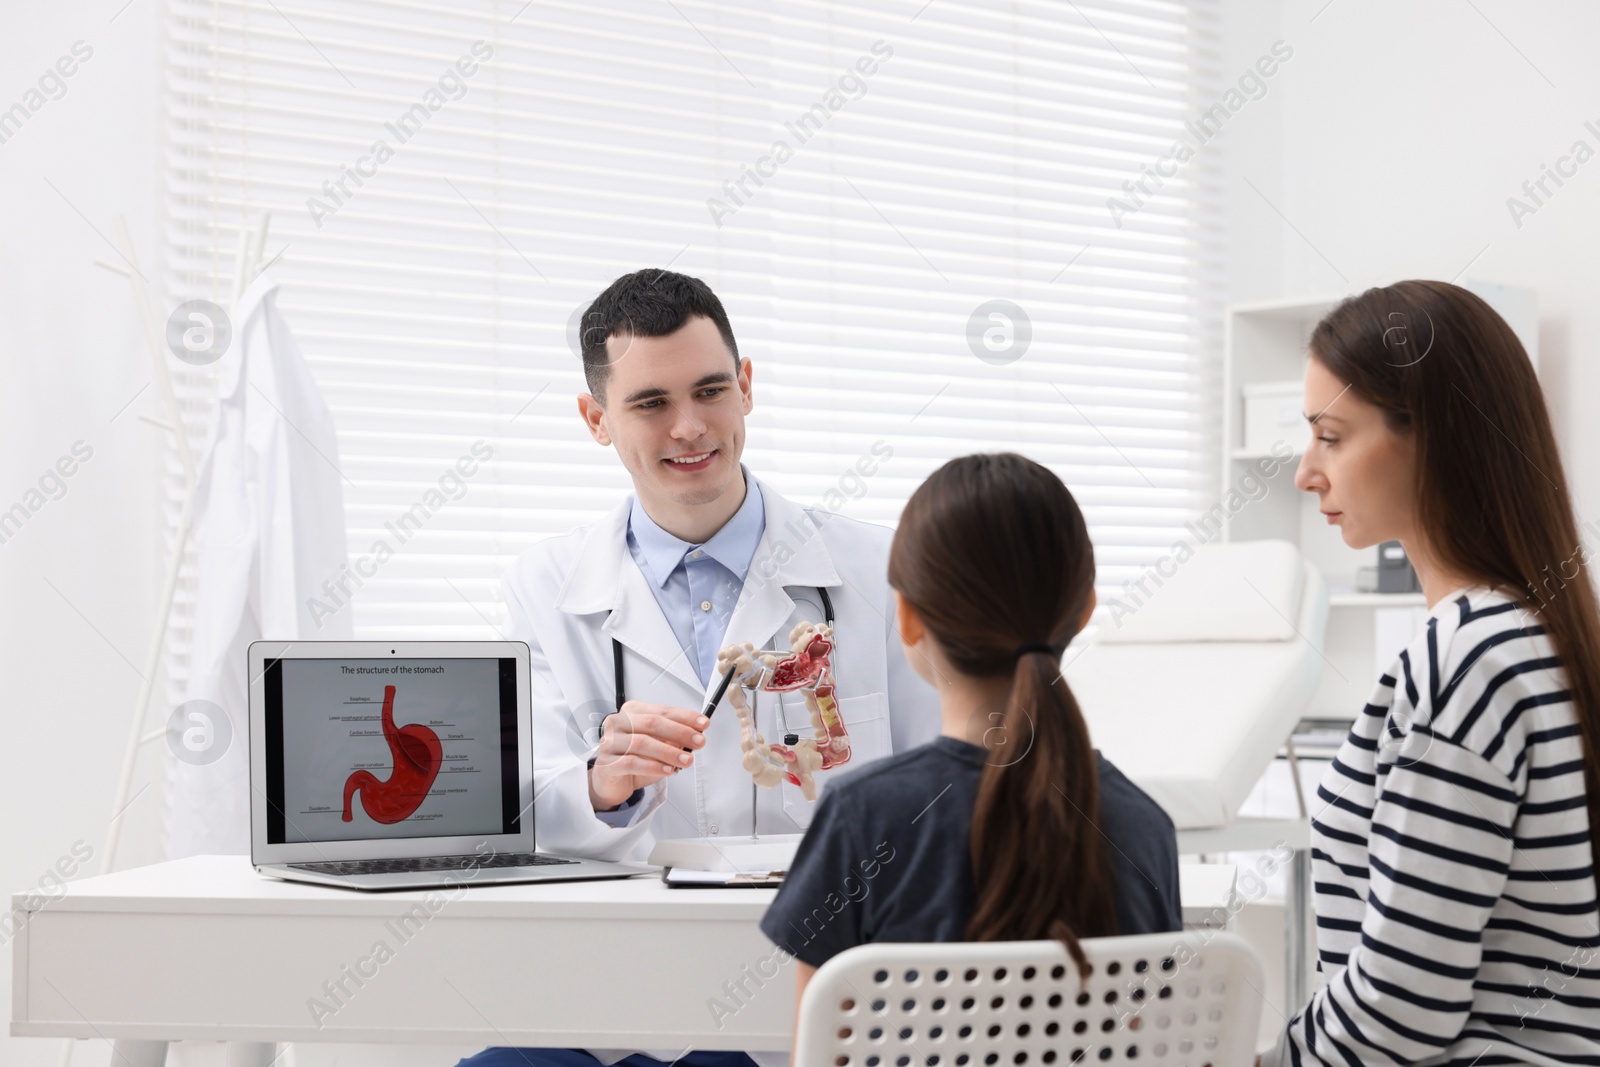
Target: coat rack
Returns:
[247, 264]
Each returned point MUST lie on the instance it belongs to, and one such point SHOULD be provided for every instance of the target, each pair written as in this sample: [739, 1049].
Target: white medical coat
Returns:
[569, 596]
[269, 530]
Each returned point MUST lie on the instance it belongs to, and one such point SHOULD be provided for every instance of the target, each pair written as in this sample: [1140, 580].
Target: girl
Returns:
[1454, 871]
[1009, 826]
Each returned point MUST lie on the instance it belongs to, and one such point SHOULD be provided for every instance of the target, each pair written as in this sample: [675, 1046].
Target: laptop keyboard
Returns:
[430, 863]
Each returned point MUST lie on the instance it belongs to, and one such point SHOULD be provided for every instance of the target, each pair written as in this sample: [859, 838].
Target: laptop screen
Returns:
[376, 749]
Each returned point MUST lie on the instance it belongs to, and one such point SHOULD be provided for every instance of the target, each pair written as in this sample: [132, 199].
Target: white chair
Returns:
[1151, 1000]
[1191, 688]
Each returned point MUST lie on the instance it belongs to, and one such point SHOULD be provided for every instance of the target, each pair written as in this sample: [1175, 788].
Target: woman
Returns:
[1453, 859]
[1009, 826]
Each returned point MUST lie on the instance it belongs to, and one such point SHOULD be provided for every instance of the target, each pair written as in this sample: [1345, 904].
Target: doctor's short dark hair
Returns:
[646, 303]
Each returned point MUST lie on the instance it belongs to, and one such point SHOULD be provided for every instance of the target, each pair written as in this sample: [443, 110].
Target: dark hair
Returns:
[1443, 367]
[646, 303]
[993, 554]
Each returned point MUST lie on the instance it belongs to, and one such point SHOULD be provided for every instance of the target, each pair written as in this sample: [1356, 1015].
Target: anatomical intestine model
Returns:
[807, 669]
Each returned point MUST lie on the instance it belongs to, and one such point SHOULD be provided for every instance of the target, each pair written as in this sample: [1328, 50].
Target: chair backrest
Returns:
[1152, 1000]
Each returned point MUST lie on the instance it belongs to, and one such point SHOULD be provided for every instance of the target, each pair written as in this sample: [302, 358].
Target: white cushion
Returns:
[1195, 724]
[1241, 591]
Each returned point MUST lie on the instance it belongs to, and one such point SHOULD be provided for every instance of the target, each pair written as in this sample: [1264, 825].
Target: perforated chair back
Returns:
[1151, 1000]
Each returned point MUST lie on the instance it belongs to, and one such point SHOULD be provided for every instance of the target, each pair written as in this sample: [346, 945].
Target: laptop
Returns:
[397, 765]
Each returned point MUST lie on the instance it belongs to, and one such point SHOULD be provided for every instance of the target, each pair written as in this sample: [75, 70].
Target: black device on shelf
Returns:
[1395, 572]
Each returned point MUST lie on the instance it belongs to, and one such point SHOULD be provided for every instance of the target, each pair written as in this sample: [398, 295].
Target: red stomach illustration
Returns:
[417, 758]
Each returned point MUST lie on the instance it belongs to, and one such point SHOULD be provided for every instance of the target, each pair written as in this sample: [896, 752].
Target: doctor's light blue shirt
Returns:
[698, 586]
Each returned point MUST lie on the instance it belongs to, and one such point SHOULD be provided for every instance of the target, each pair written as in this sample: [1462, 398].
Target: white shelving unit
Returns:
[1266, 343]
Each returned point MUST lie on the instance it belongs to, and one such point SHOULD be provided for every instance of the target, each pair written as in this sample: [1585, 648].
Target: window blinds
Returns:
[449, 184]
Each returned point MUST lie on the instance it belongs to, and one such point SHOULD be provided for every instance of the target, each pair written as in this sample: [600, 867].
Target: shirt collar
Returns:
[977, 755]
[733, 546]
[965, 751]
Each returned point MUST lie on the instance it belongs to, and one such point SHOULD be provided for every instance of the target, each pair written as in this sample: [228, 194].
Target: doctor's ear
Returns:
[594, 415]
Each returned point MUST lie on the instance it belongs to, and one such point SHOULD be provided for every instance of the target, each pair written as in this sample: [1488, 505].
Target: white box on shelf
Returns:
[1272, 414]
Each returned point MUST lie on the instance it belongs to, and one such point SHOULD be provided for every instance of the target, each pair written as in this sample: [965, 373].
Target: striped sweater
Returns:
[1453, 881]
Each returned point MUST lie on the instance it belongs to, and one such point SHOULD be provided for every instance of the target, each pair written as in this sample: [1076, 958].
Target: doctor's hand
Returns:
[641, 744]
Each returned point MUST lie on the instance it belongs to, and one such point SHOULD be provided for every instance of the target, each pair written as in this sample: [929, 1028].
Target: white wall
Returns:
[69, 360]
[1399, 134]
[1250, 147]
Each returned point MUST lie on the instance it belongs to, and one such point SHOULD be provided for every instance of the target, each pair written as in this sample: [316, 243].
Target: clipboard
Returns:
[687, 878]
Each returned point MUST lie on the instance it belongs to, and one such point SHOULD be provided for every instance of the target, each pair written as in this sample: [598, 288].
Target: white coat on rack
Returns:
[269, 530]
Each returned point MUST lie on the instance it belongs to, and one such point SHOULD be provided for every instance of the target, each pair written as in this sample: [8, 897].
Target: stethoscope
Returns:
[616, 648]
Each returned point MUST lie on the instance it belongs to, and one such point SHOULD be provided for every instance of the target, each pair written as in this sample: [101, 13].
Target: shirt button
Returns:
[714, 828]
[705, 605]
[696, 554]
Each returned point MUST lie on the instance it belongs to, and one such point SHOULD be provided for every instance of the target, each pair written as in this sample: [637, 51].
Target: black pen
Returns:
[716, 698]
[722, 688]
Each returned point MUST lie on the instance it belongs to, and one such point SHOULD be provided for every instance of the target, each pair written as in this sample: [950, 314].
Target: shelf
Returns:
[1291, 309]
[1377, 600]
[1251, 454]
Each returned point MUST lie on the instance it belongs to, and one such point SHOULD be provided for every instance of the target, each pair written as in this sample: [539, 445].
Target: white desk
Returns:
[206, 949]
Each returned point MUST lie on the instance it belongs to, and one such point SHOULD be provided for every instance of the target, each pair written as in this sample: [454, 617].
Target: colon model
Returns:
[417, 757]
[808, 669]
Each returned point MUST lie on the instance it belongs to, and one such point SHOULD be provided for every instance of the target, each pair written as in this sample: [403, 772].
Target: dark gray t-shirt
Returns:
[887, 856]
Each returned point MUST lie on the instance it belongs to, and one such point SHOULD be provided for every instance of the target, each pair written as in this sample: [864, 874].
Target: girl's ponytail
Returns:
[1047, 794]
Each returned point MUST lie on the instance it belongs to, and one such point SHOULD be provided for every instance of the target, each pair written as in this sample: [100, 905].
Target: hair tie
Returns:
[1033, 646]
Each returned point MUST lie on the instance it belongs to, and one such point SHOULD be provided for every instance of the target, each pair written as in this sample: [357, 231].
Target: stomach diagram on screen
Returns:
[417, 756]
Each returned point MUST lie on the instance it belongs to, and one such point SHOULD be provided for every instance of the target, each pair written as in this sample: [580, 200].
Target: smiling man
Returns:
[626, 616]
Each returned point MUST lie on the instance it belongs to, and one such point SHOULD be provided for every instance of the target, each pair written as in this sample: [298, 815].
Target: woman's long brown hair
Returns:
[1491, 494]
[993, 554]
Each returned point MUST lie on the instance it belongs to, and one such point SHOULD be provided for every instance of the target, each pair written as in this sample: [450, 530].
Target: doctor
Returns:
[627, 615]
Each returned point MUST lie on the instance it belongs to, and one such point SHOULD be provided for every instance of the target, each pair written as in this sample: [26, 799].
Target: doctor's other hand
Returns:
[641, 744]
